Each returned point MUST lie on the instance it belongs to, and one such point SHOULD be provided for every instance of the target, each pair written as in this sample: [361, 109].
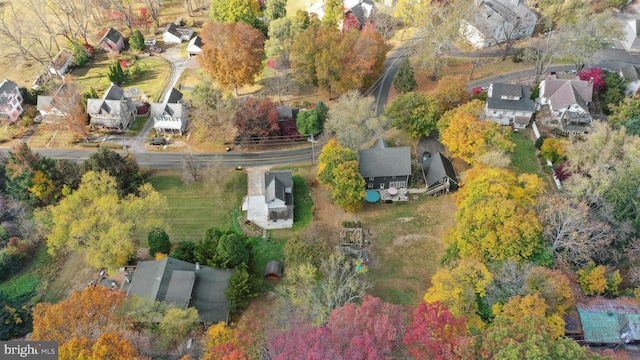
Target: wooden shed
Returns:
[274, 270]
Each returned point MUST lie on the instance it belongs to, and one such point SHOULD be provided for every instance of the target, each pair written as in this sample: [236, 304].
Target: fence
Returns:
[549, 163]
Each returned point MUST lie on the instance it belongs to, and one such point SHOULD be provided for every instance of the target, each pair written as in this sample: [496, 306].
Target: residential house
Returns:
[386, 168]
[509, 104]
[195, 46]
[59, 105]
[61, 63]
[170, 117]
[631, 40]
[630, 74]
[565, 104]
[183, 285]
[176, 35]
[357, 13]
[496, 21]
[10, 101]
[609, 322]
[269, 201]
[113, 112]
[439, 174]
[112, 41]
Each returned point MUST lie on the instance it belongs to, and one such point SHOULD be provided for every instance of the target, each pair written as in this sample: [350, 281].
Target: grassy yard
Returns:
[523, 158]
[194, 208]
[154, 72]
[406, 245]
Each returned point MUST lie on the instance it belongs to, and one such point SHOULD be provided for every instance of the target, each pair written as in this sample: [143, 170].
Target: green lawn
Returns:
[154, 73]
[523, 158]
[194, 208]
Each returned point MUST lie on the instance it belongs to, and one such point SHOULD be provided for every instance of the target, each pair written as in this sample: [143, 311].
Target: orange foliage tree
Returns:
[86, 314]
[109, 346]
[232, 54]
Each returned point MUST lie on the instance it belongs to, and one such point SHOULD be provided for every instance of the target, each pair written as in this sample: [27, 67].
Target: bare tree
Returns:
[353, 119]
[540, 53]
[124, 8]
[575, 234]
[154, 7]
[212, 113]
[189, 7]
[72, 17]
[216, 174]
[191, 169]
[67, 102]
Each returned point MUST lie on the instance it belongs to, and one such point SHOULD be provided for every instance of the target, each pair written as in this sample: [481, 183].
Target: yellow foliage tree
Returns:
[521, 309]
[109, 346]
[459, 287]
[95, 219]
[592, 279]
[553, 286]
[495, 217]
[451, 92]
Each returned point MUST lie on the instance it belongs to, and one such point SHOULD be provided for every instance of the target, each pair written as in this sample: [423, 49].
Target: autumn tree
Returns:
[451, 92]
[495, 217]
[540, 53]
[123, 169]
[211, 115]
[221, 342]
[108, 346]
[339, 172]
[85, 314]
[311, 122]
[353, 119]
[468, 137]
[176, 324]
[28, 176]
[405, 81]
[596, 76]
[624, 111]
[435, 333]
[573, 231]
[234, 52]
[95, 219]
[282, 32]
[415, 113]
[333, 13]
[553, 286]
[225, 11]
[553, 149]
[256, 120]
[581, 39]
[275, 9]
[459, 287]
[72, 18]
[367, 56]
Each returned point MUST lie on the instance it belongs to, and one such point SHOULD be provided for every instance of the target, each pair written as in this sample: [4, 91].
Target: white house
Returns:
[176, 35]
[509, 104]
[567, 103]
[195, 46]
[269, 201]
[631, 40]
[630, 74]
[61, 63]
[495, 21]
[169, 117]
[113, 112]
[10, 101]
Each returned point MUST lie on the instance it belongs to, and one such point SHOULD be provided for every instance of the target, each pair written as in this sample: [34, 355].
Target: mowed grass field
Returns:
[194, 208]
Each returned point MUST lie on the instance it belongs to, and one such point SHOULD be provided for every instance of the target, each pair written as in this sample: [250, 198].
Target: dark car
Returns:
[157, 141]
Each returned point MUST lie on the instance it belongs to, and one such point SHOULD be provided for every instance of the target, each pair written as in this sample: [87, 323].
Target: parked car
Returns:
[426, 156]
[158, 141]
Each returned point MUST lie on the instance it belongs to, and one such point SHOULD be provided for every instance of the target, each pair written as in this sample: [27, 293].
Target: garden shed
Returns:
[610, 323]
[274, 270]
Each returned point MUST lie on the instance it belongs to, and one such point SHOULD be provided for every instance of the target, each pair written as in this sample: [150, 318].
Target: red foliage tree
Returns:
[561, 171]
[435, 333]
[596, 75]
[368, 56]
[256, 120]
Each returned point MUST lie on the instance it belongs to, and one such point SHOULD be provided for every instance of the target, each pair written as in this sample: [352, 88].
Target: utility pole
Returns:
[475, 65]
[313, 151]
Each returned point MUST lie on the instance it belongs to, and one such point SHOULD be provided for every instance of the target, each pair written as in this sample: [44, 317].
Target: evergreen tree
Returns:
[79, 53]
[116, 74]
[405, 81]
[136, 41]
[158, 241]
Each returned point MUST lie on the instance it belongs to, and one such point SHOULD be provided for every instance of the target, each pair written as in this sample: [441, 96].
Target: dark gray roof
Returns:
[283, 179]
[182, 283]
[284, 112]
[174, 96]
[384, 161]
[6, 88]
[112, 35]
[173, 30]
[498, 91]
[197, 41]
[436, 168]
[114, 92]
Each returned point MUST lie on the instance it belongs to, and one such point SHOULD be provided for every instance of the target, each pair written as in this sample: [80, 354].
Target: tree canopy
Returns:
[256, 120]
[414, 112]
[353, 119]
[234, 11]
[338, 171]
[311, 122]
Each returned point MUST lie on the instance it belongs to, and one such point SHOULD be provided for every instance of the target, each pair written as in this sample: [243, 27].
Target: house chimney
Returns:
[197, 266]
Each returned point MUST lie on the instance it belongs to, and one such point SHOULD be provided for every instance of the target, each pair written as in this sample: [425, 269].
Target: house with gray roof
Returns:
[170, 116]
[567, 104]
[112, 41]
[55, 107]
[509, 104]
[10, 101]
[269, 200]
[439, 174]
[176, 35]
[384, 167]
[195, 46]
[630, 74]
[113, 111]
[496, 21]
[183, 285]
[631, 39]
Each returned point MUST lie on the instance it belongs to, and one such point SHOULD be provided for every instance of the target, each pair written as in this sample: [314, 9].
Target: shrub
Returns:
[158, 241]
[185, 251]
[613, 282]
[540, 141]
